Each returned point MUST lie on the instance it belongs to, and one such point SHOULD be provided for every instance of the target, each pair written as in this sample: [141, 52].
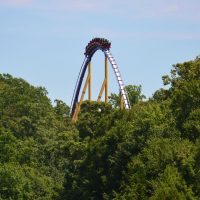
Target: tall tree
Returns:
[134, 94]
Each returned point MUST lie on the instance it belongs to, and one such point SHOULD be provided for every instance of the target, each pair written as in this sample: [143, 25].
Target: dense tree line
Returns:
[149, 152]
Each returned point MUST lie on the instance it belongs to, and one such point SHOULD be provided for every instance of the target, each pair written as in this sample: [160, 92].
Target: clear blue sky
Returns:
[43, 41]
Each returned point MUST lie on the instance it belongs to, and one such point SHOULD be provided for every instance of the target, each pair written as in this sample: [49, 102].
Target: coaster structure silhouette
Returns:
[104, 45]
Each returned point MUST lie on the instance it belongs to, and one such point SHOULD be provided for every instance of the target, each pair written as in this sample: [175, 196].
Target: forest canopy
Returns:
[149, 152]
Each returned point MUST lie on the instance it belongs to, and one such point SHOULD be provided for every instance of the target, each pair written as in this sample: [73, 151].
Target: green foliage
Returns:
[191, 125]
[13, 184]
[149, 152]
[61, 108]
[93, 119]
[34, 141]
[23, 108]
[134, 94]
[22, 182]
[185, 89]
[148, 173]
[7, 146]
[171, 185]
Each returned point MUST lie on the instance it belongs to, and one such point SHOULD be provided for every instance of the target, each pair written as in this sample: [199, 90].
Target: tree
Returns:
[134, 94]
[93, 119]
[184, 92]
[165, 167]
[151, 151]
[171, 185]
[61, 108]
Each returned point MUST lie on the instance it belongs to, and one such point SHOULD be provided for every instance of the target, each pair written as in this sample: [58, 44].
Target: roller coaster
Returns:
[104, 45]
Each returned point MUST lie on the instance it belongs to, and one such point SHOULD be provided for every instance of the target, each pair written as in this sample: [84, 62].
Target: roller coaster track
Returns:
[91, 48]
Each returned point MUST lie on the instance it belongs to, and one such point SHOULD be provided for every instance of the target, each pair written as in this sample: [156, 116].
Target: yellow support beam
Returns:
[84, 89]
[74, 117]
[101, 91]
[78, 105]
[121, 101]
[88, 83]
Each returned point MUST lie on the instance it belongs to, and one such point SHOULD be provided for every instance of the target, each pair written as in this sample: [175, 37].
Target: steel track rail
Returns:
[119, 79]
[82, 74]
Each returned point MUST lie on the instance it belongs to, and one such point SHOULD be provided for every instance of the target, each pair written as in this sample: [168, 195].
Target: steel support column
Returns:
[121, 101]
